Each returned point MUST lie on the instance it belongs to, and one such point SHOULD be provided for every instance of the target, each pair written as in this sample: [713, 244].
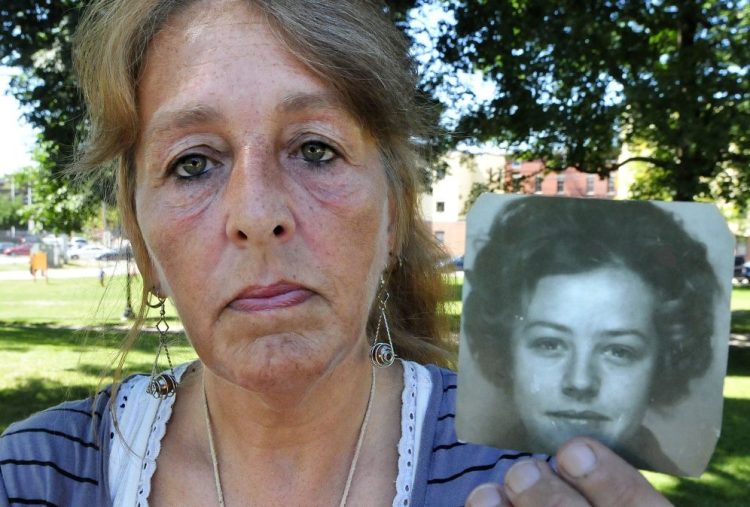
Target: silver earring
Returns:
[382, 354]
[161, 385]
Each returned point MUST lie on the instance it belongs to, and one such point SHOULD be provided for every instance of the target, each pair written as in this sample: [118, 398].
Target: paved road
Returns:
[83, 270]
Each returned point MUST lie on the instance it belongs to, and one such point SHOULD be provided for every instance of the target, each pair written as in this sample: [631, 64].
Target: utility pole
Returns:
[128, 313]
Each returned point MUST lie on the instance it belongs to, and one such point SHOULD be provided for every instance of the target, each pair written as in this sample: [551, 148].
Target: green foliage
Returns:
[9, 212]
[35, 36]
[493, 183]
[58, 204]
[577, 80]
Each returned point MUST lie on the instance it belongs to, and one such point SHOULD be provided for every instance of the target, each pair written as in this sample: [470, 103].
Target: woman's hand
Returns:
[589, 475]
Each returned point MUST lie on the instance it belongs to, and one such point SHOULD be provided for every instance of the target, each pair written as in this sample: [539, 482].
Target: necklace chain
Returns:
[352, 465]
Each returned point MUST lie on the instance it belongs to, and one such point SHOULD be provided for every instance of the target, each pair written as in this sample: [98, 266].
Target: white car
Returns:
[88, 252]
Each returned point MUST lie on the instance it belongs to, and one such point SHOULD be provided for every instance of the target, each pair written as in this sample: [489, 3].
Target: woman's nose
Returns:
[257, 202]
[581, 380]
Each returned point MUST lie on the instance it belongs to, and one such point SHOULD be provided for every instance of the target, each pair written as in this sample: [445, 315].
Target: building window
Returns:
[589, 184]
[440, 236]
[611, 184]
[560, 183]
[538, 183]
[440, 206]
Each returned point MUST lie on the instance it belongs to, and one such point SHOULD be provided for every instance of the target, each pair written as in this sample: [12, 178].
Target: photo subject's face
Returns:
[584, 356]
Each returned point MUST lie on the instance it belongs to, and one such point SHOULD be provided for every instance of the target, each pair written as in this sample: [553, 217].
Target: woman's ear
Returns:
[393, 243]
[149, 272]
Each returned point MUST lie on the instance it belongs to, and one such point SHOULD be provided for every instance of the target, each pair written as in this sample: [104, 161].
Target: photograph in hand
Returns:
[606, 319]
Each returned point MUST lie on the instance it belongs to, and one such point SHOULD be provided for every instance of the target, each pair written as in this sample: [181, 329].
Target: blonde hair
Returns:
[351, 45]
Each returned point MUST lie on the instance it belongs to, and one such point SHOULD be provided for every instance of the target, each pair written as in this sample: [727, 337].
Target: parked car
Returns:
[78, 242]
[741, 270]
[458, 263]
[744, 275]
[22, 249]
[88, 252]
[6, 244]
[118, 254]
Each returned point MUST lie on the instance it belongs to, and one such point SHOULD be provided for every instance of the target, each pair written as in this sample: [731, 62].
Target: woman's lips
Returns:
[578, 415]
[270, 297]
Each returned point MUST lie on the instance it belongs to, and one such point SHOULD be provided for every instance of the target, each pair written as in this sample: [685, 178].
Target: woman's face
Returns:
[584, 356]
[262, 201]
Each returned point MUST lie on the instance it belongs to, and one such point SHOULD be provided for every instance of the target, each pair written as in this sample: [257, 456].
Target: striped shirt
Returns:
[60, 456]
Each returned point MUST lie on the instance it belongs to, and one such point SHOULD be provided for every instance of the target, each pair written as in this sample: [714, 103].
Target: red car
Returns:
[24, 249]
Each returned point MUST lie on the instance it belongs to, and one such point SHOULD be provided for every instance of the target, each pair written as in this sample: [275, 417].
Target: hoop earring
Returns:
[382, 354]
[161, 385]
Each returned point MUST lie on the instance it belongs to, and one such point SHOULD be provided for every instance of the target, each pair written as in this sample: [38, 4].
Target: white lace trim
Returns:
[132, 461]
[132, 466]
[414, 398]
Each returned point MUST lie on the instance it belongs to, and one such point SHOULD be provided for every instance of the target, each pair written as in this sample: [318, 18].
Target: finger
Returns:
[532, 483]
[486, 495]
[604, 478]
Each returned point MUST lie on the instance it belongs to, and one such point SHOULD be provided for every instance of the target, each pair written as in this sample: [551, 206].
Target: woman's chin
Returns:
[282, 365]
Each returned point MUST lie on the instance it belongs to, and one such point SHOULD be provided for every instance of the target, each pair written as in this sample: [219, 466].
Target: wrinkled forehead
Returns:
[198, 48]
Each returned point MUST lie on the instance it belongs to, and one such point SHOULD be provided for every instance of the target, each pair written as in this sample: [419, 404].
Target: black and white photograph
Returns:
[607, 319]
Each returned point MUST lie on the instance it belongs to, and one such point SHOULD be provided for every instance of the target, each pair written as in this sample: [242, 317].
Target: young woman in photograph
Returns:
[588, 313]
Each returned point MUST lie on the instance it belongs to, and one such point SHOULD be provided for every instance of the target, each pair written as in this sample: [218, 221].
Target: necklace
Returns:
[352, 466]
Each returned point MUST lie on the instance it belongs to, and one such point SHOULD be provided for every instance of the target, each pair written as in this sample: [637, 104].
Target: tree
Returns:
[492, 181]
[57, 204]
[575, 81]
[9, 216]
[35, 36]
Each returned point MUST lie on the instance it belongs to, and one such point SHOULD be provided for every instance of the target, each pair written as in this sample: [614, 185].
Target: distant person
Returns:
[38, 262]
[588, 317]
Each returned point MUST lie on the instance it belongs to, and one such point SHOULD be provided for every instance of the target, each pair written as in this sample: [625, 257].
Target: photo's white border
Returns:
[687, 431]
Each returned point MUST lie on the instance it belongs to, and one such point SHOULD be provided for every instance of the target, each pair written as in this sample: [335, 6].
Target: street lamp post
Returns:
[127, 314]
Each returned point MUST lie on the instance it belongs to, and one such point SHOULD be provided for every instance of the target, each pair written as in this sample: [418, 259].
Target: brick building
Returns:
[443, 207]
[529, 178]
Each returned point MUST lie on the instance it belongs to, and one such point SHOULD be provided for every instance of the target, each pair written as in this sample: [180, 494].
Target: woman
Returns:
[589, 313]
[266, 180]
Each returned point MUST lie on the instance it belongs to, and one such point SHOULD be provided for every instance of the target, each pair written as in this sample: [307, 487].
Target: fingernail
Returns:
[485, 495]
[578, 459]
[522, 476]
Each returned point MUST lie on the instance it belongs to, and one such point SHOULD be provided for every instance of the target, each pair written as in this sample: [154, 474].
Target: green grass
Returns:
[46, 356]
[741, 310]
[67, 302]
[726, 483]
[42, 365]
[58, 341]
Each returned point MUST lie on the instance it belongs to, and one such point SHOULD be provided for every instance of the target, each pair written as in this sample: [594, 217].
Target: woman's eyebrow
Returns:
[546, 323]
[616, 333]
[302, 101]
[190, 116]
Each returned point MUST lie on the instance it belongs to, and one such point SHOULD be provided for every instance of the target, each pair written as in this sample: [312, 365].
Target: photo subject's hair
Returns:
[351, 45]
[536, 237]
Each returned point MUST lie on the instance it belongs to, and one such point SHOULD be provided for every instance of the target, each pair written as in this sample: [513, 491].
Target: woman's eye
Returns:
[547, 346]
[621, 354]
[317, 152]
[190, 166]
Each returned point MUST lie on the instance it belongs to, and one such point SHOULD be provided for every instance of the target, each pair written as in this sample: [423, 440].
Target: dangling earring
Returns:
[381, 353]
[161, 385]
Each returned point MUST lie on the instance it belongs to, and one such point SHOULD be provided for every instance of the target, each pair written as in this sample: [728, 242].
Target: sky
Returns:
[16, 136]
